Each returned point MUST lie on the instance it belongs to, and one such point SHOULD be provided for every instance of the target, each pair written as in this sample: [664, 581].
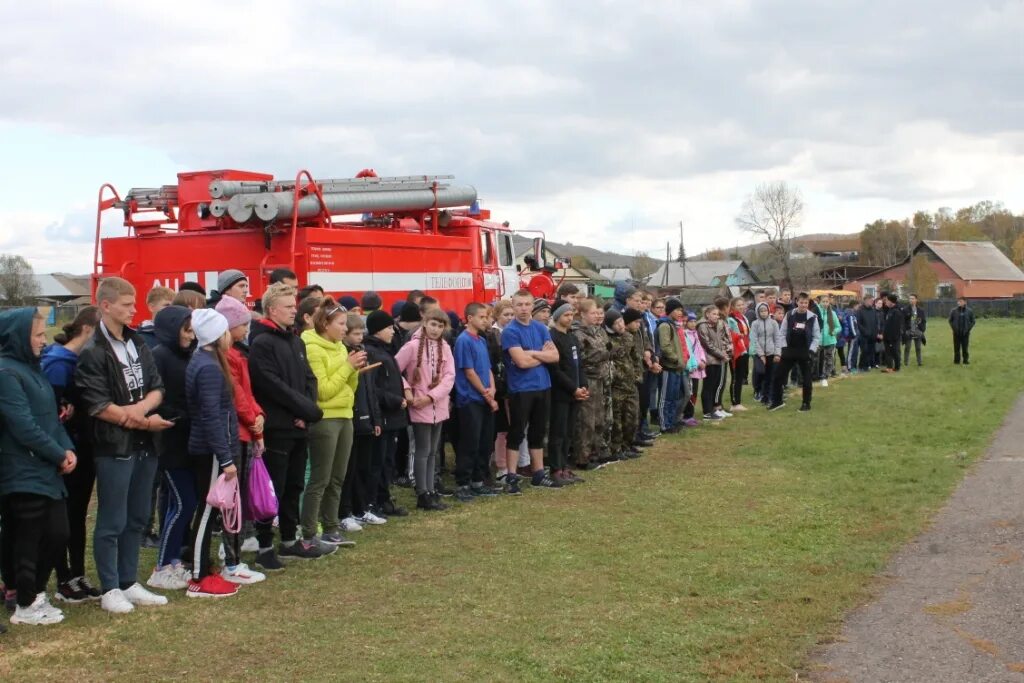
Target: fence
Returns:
[983, 308]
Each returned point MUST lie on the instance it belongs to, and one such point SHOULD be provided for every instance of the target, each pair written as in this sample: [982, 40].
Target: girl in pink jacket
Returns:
[696, 351]
[428, 369]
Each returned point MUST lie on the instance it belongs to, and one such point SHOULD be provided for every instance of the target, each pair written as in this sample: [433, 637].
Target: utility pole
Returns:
[682, 251]
[668, 260]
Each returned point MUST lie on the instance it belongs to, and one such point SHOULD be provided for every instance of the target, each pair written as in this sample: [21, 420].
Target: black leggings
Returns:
[207, 471]
[79, 484]
[382, 465]
[711, 392]
[739, 378]
[33, 540]
[355, 492]
[688, 409]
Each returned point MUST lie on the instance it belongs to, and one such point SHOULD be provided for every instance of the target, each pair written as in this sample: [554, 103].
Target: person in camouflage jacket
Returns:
[589, 431]
[627, 372]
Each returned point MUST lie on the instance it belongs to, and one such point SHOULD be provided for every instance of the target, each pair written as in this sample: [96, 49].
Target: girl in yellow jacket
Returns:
[330, 439]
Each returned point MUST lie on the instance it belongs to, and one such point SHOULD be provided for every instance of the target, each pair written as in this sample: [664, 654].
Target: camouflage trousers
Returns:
[625, 417]
[588, 434]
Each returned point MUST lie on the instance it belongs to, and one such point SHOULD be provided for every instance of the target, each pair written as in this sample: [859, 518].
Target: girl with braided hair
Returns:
[428, 369]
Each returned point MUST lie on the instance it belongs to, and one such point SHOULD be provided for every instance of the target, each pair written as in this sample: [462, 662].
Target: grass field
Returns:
[726, 553]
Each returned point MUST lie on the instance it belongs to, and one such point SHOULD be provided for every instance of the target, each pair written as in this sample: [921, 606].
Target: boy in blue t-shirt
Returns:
[474, 401]
[527, 346]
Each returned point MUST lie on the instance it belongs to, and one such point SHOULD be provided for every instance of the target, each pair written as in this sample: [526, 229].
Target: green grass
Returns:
[726, 554]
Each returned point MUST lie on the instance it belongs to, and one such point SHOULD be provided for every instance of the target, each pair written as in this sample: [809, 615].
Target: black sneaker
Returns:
[150, 540]
[643, 443]
[392, 509]
[268, 561]
[546, 482]
[776, 406]
[404, 482]
[70, 593]
[303, 550]
[439, 489]
[805, 407]
[437, 500]
[482, 490]
[463, 494]
[512, 485]
[91, 591]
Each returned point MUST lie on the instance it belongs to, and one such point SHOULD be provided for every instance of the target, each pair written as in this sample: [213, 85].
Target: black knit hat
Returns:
[610, 316]
[410, 313]
[377, 321]
[631, 315]
[672, 305]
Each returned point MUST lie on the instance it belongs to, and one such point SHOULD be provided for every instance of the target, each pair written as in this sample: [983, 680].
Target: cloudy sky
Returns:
[602, 123]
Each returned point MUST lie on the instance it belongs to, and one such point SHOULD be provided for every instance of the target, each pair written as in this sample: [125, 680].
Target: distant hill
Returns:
[600, 259]
[744, 250]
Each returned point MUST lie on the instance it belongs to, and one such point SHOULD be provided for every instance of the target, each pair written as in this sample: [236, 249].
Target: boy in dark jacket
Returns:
[892, 332]
[568, 390]
[34, 452]
[357, 497]
[915, 322]
[868, 329]
[387, 379]
[961, 321]
[120, 389]
[285, 388]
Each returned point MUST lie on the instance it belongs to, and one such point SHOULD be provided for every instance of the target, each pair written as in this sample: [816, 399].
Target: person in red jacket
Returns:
[250, 430]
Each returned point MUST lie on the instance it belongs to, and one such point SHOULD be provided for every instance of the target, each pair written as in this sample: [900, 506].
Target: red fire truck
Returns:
[400, 234]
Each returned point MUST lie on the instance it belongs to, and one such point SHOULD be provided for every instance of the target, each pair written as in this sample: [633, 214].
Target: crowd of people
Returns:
[335, 403]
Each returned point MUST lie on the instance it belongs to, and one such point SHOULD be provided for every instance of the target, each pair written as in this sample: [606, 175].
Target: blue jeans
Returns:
[124, 494]
[668, 406]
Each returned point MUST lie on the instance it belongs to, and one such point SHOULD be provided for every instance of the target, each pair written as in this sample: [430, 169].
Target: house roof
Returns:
[615, 274]
[62, 286]
[593, 275]
[522, 243]
[698, 273]
[820, 246]
[974, 260]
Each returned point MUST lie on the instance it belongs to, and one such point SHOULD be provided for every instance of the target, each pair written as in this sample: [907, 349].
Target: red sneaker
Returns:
[211, 586]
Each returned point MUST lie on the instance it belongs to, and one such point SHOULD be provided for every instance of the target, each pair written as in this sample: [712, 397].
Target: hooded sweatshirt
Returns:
[765, 335]
[697, 354]
[32, 440]
[829, 337]
[172, 361]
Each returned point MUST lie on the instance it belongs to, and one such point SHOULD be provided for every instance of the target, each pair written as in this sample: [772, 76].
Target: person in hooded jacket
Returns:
[765, 348]
[696, 367]
[739, 336]
[250, 429]
[35, 451]
[394, 418]
[673, 359]
[58, 364]
[801, 335]
[568, 391]
[717, 354]
[868, 328]
[286, 389]
[175, 341]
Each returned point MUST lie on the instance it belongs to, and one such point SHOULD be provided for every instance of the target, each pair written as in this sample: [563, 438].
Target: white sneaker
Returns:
[137, 595]
[721, 414]
[183, 573]
[169, 579]
[115, 601]
[370, 518]
[739, 408]
[241, 574]
[39, 613]
[351, 524]
[824, 383]
[250, 545]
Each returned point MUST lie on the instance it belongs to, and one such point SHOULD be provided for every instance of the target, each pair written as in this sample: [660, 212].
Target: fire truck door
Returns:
[509, 278]
[489, 278]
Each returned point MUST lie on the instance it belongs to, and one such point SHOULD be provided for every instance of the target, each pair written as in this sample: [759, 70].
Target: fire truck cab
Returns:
[349, 235]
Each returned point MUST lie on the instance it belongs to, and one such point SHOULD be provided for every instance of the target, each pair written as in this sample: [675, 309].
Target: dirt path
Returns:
[953, 608]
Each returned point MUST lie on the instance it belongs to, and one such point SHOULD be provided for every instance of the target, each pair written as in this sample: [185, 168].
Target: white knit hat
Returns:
[209, 326]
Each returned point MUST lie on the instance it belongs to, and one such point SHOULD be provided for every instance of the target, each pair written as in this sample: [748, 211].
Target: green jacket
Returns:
[336, 380]
[830, 338]
[32, 440]
[670, 344]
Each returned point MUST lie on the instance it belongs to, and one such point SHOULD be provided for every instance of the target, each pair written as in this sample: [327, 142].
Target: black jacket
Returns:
[867, 322]
[567, 374]
[366, 412]
[961, 320]
[172, 360]
[100, 381]
[908, 320]
[388, 387]
[892, 330]
[282, 382]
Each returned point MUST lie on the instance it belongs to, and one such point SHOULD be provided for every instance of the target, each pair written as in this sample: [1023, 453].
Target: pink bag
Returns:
[225, 496]
[261, 501]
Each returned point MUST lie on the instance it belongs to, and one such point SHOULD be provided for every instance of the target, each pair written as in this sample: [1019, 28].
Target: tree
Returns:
[643, 265]
[773, 214]
[886, 243]
[18, 286]
[921, 278]
[1018, 250]
[580, 261]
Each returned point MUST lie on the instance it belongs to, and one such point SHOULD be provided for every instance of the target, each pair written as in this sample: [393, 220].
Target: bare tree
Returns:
[18, 287]
[643, 265]
[773, 213]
